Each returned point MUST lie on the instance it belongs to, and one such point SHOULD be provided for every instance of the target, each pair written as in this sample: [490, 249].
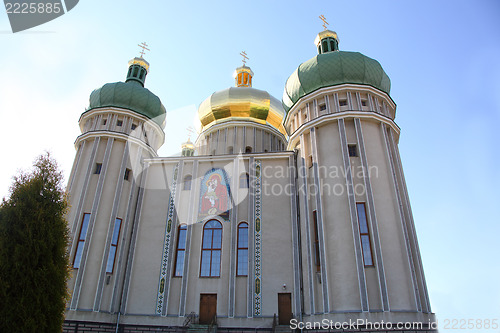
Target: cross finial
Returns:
[323, 18]
[144, 47]
[245, 58]
[190, 130]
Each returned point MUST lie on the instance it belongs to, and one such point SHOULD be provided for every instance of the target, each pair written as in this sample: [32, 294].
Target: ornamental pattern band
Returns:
[162, 284]
[258, 240]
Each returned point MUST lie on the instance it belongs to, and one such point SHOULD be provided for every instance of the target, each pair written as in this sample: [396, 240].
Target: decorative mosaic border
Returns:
[166, 245]
[258, 239]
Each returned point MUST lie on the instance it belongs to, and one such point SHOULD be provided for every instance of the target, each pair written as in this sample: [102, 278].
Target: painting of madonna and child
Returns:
[215, 195]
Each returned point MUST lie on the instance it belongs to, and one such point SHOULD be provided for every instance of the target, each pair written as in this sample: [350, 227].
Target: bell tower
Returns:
[122, 126]
[341, 121]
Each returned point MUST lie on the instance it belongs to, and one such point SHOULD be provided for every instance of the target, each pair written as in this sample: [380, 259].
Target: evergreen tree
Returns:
[34, 265]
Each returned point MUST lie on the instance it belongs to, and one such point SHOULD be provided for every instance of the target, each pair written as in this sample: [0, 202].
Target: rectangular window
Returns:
[343, 102]
[322, 107]
[81, 240]
[127, 174]
[187, 182]
[114, 246]
[98, 167]
[364, 102]
[133, 127]
[181, 250]
[353, 150]
[244, 180]
[316, 242]
[104, 121]
[364, 234]
[119, 123]
[242, 258]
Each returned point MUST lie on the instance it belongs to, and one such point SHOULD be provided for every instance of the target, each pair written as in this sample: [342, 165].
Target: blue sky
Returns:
[441, 56]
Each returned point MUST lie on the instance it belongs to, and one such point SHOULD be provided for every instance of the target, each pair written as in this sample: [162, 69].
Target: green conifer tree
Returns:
[34, 265]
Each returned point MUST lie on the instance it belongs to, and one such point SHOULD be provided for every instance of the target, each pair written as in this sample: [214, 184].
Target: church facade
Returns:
[282, 214]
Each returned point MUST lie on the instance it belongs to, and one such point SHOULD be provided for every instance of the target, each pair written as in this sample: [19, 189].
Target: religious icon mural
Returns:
[215, 194]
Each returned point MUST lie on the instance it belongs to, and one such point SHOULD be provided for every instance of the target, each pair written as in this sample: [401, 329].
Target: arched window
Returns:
[187, 182]
[242, 258]
[325, 46]
[211, 249]
[181, 250]
[244, 180]
[248, 150]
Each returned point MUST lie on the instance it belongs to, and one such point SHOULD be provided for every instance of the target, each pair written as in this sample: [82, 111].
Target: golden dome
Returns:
[324, 34]
[187, 145]
[242, 103]
[139, 61]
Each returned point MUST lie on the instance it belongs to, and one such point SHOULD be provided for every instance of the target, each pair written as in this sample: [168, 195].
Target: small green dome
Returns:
[129, 95]
[334, 68]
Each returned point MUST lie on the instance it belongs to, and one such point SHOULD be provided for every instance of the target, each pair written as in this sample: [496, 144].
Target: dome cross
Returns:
[144, 47]
[245, 58]
[323, 18]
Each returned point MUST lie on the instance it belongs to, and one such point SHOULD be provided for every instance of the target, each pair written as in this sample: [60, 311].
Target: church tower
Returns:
[122, 126]
[360, 253]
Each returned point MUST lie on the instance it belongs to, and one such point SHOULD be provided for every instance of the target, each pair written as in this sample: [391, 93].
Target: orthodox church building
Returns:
[281, 215]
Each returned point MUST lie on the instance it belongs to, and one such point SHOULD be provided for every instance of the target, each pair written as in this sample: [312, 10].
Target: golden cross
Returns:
[245, 58]
[323, 18]
[144, 47]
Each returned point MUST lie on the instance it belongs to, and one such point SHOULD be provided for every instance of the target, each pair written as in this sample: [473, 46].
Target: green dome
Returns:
[334, 68]
[129, 95]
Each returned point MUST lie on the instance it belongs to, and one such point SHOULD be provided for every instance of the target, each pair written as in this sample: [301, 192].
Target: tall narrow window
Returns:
[126, 176]
[353, 150]
[187, 182]
[81, 240]
[242, 258]
[114, 246]
[98, 167]
[244, 180]
[211, 249]
[364, 234]
[316, 242]
[181, 250]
